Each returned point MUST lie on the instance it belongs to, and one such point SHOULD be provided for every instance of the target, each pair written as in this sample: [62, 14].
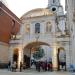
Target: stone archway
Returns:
[61, 57]
[30, 48]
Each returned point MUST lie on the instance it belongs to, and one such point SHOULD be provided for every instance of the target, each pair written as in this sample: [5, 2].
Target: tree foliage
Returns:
[39, 53]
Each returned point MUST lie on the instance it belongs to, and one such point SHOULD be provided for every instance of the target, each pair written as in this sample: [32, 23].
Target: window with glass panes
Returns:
[37, 28]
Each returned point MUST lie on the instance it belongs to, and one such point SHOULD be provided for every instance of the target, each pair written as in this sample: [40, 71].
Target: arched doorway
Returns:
[16, 55]
[61, 57]
[33, 48]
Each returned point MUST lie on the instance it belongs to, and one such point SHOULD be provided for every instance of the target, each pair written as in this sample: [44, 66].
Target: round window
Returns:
[53, 9]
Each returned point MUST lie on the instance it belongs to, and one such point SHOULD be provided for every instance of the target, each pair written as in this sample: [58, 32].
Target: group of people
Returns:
[62, 66]
[43, 65]
[13, 66]
[39, 65]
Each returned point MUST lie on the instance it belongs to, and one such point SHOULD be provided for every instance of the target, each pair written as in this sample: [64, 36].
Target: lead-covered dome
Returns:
[37, 12]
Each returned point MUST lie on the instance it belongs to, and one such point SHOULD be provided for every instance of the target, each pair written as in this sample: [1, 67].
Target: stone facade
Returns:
[43, 26]
[40, 27]
[70, 8]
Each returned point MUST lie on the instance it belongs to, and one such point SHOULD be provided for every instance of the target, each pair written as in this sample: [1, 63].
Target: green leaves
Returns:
[39, 53]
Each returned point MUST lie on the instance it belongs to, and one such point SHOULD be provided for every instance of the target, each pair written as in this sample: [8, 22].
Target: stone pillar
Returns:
[22, 55]
[68, 56]
[54, 57]
[19, 58]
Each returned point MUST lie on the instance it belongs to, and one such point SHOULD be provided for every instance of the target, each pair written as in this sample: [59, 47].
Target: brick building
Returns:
[9, 25]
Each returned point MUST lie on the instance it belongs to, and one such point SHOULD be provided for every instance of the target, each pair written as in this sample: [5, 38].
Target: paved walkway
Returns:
[31, 72]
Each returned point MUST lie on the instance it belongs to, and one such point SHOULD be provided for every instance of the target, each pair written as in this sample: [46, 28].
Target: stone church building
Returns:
[42, 27]
[45, 28]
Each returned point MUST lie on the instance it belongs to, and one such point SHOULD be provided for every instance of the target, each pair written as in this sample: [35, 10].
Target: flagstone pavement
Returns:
[33, 72]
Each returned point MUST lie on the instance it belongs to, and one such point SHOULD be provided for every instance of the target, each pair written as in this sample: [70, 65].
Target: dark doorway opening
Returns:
[27, 61]
[15, 57]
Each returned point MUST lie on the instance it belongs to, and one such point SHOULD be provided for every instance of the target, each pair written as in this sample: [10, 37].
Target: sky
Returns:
[20, 7]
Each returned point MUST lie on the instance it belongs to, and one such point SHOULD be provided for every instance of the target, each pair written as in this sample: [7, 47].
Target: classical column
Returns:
[54, 58]
[19, 58]
[68, 55]
[22, 55]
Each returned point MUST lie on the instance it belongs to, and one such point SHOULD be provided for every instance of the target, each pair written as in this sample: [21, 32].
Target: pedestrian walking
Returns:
[9, 65]
[21, 66]
[38, 66]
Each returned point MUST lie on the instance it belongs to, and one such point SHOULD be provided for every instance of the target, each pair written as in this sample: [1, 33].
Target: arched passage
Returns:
[31, 48]
[61, 58]
[30, 45]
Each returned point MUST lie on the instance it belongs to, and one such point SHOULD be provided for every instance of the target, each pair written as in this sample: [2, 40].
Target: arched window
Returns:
[37, 28]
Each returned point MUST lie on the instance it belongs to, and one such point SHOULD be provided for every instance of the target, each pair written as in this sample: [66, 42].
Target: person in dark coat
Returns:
[45, 65]
[21, 66]
[9, 65]
[38, 66]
